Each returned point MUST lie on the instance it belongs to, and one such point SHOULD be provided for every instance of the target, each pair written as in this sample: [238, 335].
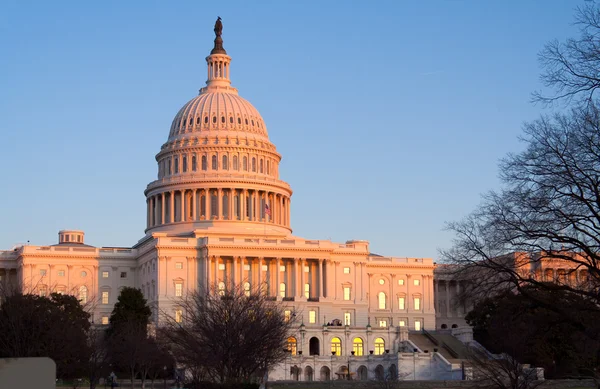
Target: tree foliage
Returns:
[524, 326]
[229, 338]
[130, 310]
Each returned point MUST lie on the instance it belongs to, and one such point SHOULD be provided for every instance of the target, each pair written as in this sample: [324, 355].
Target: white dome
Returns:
[217, 111]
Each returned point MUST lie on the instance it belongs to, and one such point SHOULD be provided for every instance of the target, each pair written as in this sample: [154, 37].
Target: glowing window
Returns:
[379, 346]
[292, 345]
[357, 346]
[178, 289]
[347, 319]
[312, 317]
[417, 304]
[336, 346]
[346, 270]
[382, 300]
[347, 293]
[382, 323]
[104, 297]
[83, 294]
[178, 315]
[417, 282]
[282, 289]
[400, 282]
[307, 290]
[417, 325]
[104, 320]
[401, 304]
[178, 265]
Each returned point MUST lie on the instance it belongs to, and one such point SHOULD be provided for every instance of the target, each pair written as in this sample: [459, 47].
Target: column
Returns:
[448, 314]
[147, 213]
[216, 272]
[296, 279]
[321, 295]
[155, 200]
[277, 277]
[335, 282]
[260, 273]
[242, 272]
[194, 200]
[279, 210]
[166, 275]
[288, 213]
[231, 204]
[207, 199]
[220, 204]
[243, 204]
[392, 294]
[172, 208]
[207, 273]
[362, 281]
[162, 208]
[234, 272]
[355, 284]
[436, 294]
[303, 263]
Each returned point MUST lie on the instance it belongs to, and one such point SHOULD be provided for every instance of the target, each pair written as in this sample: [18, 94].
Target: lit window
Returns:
[61, 290]
[287, 315]
[336, 346]
[307, 290]
[357, 346]
[417, 282]
[347, 319]
[43, 290]
[246, 289]
[417, 303]
[83, 294]
[178, 315]
[400, 282]
[382, 300]
[417, 325]
[178, 289]
[281, 268]
[401, 303]
[104, 320]
[104, 297]
[222, 288]
[246, 267]
[282, 289]
[104, 274]
[312, 317]
[306, 269]
[123, 274]
[178, 265]
[381, 281]
[221, 266]
[402, 323]
[379, 346]
[346, 270]
[61, 273]
[346, 293]
[265, 267]
[383, 323]
[43, 272]
[292, 345]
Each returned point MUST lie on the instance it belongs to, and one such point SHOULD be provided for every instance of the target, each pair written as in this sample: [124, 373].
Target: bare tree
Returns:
[129, 349]
[99, 362]
[548, 209]
[228, 336]
[572, 68]
[500, 371]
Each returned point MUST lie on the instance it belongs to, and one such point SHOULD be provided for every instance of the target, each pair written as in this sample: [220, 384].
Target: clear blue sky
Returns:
[391, 116]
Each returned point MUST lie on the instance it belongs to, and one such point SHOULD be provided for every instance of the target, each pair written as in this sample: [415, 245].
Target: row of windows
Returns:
[187, 164]
[83, 273]
[191, 121]
[336, 346]
[382, 302]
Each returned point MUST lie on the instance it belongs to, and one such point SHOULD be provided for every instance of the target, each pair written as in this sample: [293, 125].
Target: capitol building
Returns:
[219, 214]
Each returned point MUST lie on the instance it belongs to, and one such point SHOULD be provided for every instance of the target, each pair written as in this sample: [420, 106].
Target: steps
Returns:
[424, 343]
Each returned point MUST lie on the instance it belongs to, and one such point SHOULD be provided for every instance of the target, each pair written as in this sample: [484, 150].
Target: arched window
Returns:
[198, 120]
[292, 345]
[222, 288]
[336, 346]
[184, 163]
[245, 164]
[206, 119]
[239, 121]
[260, 166]
[176, 165]
[379, 346]
[253, 164]
[247, 289]
[231, 119]
[268, 165]
[194, 162]
[382, 300]
[235, 162]
[214, 162]
[83, 294]
[204, 167]
[169, 166]
[357, 346]
[225, 164]
[282, 289]
[222, 119]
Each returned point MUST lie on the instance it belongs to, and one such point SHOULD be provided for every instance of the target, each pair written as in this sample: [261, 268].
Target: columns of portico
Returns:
[277, 278]
[356, 290]
[220, 204]
[296, 279]
[363, 267]
[335, 282]
[243, 204]
[231, 204]
[447, 289]
[216, 282]
[260, 260]
[392, 294]
[194, 204]
[172, 207]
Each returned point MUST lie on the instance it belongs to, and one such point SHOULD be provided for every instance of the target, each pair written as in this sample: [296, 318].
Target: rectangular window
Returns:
[347, 318]
[104, 297]
[307, 290]
[287, 315]
[178, 289]
[221, 266]
[246, 267]
[104, 320]
[306, 269]
[346, 270]
[312, 317]
[178, 315]
[401, 303]
[43, 290]
[400, 282]
[346, 293]
[402, 323]
[416, 282]
[178, 265]
[265, 267]
[104, 274]
[281, 268]
[382, 323]
[61, 273]
[417, 325]
[417, 303]
[123, 274]
[42, 272]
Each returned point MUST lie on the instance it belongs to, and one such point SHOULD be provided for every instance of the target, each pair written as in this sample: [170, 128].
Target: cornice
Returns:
[157, 185]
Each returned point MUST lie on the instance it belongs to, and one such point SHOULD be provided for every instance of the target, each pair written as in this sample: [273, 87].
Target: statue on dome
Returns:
[218, 27]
